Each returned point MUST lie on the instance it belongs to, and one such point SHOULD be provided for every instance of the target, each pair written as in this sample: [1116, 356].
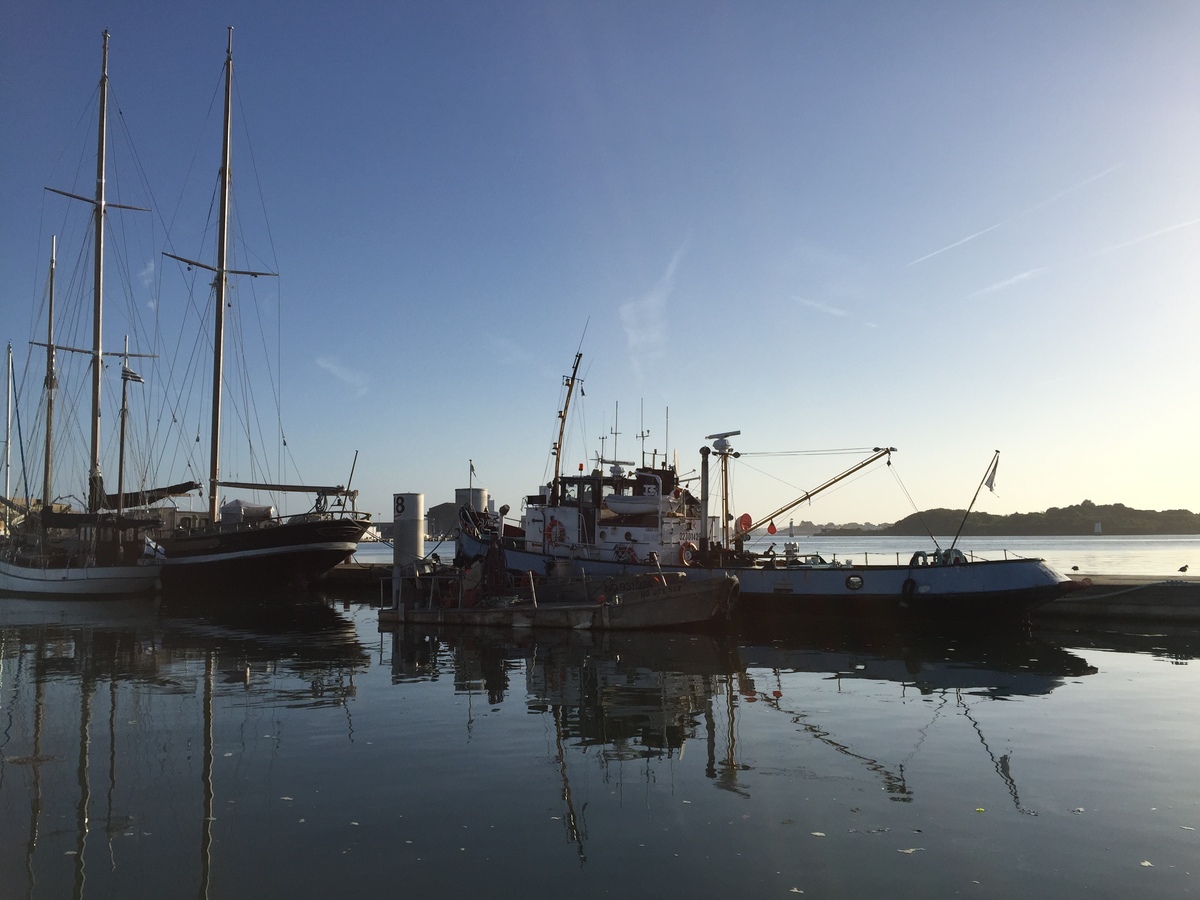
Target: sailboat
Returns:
[247, 546]
[97, 551]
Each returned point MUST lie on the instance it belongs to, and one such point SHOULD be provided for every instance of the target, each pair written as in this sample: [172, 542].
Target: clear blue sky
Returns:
[947, 227]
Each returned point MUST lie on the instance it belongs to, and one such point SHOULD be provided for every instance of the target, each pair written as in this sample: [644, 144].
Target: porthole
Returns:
[854, 582]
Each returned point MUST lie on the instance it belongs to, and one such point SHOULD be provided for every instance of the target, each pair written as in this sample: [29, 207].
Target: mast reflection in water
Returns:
[128, 690]
[299, 750]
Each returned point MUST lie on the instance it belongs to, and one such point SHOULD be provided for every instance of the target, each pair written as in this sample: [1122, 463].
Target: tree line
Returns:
[1083, 518]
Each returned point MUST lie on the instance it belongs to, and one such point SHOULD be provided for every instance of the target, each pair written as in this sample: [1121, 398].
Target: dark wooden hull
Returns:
[269, 556]
[599, 606]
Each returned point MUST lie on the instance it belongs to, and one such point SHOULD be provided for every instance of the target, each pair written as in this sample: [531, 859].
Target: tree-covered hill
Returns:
[1115, 518]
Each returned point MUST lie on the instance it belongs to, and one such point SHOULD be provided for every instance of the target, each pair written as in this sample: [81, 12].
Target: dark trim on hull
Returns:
[265, 558]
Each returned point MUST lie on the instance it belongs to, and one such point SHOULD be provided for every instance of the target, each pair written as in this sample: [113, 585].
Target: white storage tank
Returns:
[477, 497]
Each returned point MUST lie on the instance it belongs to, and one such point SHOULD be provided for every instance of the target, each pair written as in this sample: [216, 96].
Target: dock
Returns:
[358, 574]
[1173, 600]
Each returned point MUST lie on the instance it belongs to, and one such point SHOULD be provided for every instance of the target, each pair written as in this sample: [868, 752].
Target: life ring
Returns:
[555, 533]
[626, 553]
[689, 553]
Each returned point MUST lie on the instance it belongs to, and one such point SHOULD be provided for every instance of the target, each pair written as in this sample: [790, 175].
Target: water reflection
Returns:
[621, 697]
[929, 660]
[1177, 644]
[629, 695]
[129, 696]
[214, 749]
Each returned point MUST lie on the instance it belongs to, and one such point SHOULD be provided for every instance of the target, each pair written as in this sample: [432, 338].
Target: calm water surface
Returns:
[151, 751]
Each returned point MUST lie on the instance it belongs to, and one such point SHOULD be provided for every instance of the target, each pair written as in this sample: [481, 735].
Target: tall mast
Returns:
[51, 384]
[8, 380]
[100, 209]
[569, 382]
[95, 490]
[220, 285]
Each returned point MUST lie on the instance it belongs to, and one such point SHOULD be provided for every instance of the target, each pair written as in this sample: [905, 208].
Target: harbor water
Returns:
[247, 749]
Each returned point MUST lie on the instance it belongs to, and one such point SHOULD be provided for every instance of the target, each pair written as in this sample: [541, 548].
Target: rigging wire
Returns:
[912, 503]
[839, 451]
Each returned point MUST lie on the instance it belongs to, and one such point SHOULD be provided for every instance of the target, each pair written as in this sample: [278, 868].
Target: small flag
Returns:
[127, 374]
[771, 529]
[991, 479]
[472, 467]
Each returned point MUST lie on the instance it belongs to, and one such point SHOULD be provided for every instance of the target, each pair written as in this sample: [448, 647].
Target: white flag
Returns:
[991, 479]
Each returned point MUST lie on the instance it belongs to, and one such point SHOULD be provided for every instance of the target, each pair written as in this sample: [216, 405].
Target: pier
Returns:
[1108, 597]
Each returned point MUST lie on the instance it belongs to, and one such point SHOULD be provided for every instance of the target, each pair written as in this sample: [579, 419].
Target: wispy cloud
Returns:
[146, 277]
[821, 307]
[1152, 234]
[1011, 219]
[358, 381]
[645, 320]
[1009, 282]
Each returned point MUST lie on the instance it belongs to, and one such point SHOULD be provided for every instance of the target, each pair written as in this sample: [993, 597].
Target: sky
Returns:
[949, 228]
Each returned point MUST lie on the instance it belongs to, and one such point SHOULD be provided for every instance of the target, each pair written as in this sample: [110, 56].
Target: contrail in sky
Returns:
[1026, 212]
[821, 307]
[970, 237]
[1146, 237]
[1016, 279]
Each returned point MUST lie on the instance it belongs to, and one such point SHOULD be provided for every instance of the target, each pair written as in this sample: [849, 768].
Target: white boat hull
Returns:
[92, 581]
[975, 589]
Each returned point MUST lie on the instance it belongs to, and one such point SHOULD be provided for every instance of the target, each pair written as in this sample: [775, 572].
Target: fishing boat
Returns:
[645, 520]
[52, 548]
[243, 545]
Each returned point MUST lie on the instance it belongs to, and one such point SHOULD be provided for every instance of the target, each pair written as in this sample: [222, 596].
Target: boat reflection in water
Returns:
[952, 671]
[218, 750]
[112, 711]
[645, 696]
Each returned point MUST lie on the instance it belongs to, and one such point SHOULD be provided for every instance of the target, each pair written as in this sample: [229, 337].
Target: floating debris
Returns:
[911, 850]
[818, 834]
[1147, 864]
